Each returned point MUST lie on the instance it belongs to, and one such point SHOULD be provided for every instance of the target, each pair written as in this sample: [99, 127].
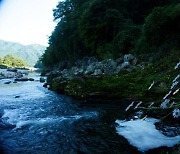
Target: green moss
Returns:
[133, 85]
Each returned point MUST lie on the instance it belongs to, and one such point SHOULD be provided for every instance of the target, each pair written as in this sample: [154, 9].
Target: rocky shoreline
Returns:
[125, 79]
[17, 75]
[122, 78]
[146, 89]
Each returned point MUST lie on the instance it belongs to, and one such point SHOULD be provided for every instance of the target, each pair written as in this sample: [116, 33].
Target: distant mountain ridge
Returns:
[29, 53]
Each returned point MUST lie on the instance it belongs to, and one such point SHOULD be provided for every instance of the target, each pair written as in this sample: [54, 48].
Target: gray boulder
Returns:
[128, 57]
[125, 65]
[31, 79]
[98, 65]
[90, 70]
[97, 72]
[22, 79]
[109, 66]
[12, 69]
[7, 82]
[118, 69]
[119, 61]
[77, 71]
[42, 79]
[67, 73]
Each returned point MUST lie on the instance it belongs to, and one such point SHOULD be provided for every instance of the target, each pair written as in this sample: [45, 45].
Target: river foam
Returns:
[15, 117]
[143, 134]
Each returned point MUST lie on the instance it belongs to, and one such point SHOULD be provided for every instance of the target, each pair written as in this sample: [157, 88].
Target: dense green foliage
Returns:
[11, 61]
[109, 28]
[161, 30]
[1, 61]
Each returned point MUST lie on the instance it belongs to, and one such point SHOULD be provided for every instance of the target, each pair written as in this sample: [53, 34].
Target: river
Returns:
[36, 120]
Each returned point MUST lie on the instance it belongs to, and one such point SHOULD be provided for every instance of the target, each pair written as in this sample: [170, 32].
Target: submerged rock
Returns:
[42, 79]
[21, 79]
[12, 69]
[31, 79]
[7, 82]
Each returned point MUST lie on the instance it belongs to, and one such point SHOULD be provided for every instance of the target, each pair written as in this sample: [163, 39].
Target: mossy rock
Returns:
[127, 85]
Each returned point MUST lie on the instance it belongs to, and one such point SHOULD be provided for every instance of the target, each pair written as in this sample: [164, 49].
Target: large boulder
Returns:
[109, 66]
[125, 65]
[66, 73]
[128, 57]
[119, 61]
[97, 72]
[90, 70]
[118, 69]
[25, 72]
[75, 71]
[22, 79]
[42, 79]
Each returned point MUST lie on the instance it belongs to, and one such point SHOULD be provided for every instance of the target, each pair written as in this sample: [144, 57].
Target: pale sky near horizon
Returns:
[27, 21]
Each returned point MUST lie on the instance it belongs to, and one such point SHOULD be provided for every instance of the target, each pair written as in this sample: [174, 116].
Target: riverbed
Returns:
[34, 119]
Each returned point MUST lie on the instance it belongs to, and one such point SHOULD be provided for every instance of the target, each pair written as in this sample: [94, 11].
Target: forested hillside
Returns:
[29, 53]
[110, 28]
[11, 61]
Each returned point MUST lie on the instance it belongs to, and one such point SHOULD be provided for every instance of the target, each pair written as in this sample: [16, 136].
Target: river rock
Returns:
[125, 64]
[31, 79]
[7, 82]
[97, 72]
[42, 79]
[119, 61]
[75, 71]
[109, 66]
[118, 69]
[128, 57]
[25, 72]
[98, 65]
[66, 73]
[12, 69]
[21, 79]
[90, 70]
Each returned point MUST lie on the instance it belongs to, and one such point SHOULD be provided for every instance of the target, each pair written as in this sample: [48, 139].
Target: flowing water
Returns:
[36, 120]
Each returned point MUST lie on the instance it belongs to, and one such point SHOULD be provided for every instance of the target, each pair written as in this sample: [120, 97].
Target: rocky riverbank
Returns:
[146, 83]
[12, 73]
[17, 75]
[125, 77]
[149, 89]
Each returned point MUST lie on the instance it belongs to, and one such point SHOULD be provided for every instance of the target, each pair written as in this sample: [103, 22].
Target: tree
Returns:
[11, 61]
[106, 29]
[1, 61]
[161, 30]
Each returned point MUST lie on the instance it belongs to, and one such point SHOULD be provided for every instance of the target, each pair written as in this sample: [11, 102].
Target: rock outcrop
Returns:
[90, 67]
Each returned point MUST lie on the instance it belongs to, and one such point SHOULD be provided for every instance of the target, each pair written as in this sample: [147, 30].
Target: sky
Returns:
[27, 21]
